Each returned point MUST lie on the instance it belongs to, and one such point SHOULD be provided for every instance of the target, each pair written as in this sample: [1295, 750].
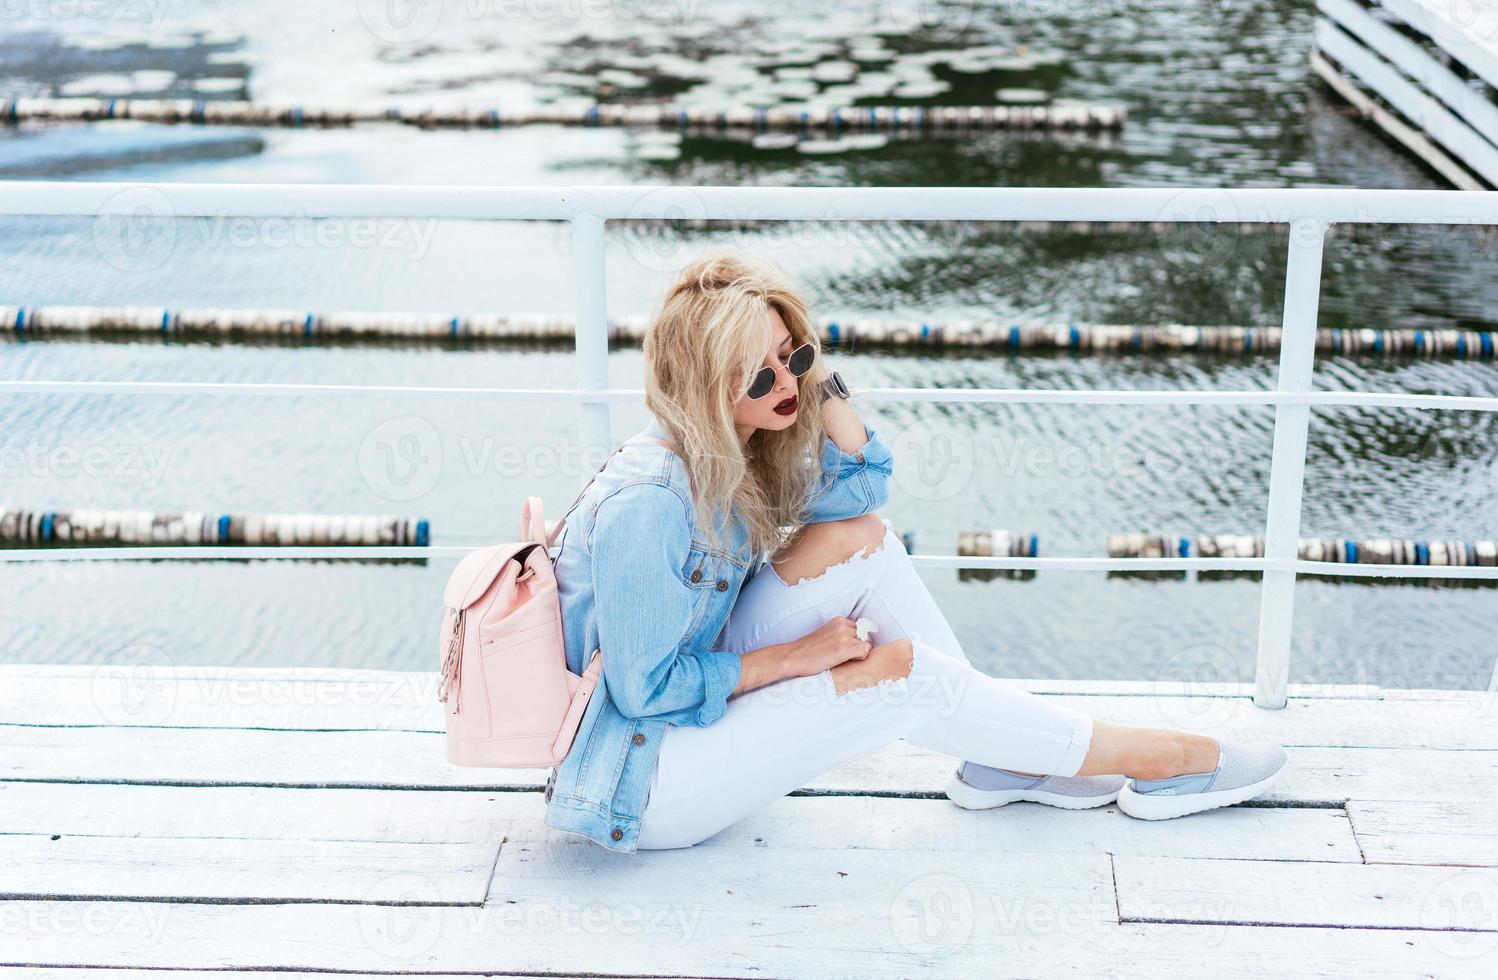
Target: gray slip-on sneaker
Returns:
[1244, 770]
[979, 787]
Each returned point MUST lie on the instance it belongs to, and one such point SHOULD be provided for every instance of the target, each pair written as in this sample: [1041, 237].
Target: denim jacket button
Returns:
[617, 834]
[639, 738]
[722, 585]
[696, 575]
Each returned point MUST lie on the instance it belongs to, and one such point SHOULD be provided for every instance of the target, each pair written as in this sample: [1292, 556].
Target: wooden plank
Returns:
[412, 760]
[1461, 720]
[1316, 777]
[1411, 59]
[1410, 101]
[584, 909]
[1379, 896]
[1388, 774]
[1396, 128]
[1418, 832]
[1466, 31]
[873, 923]
[93, 973]
[835, 822]
[266, 813]
[243, 870]
[322, 699]
[245, 697]
[255, 757]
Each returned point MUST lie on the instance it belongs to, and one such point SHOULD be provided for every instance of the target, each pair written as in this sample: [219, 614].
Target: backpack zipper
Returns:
[450, 664]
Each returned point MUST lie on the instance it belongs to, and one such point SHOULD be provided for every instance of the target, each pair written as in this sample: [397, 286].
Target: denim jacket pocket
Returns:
[707, 568]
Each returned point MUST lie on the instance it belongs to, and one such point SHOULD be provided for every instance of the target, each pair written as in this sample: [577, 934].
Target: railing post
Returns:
[1288, 464]
[591, 336]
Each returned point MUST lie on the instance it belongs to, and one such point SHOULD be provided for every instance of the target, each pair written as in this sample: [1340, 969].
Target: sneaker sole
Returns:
[1144, 807]
[972, 798]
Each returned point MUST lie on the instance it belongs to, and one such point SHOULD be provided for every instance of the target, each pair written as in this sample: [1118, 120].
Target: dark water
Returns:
[1217, 95]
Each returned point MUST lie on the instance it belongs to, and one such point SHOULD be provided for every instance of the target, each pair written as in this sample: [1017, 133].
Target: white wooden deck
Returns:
[306, 820]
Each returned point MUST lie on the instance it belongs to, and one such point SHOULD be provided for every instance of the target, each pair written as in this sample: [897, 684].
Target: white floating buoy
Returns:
[98, 85]
[147, 80]
[658, 151]
[922, 90]
[218, 85]
[834, 71]
[774, 141]
[1018, 62]
[1021, 96]
[823, 146]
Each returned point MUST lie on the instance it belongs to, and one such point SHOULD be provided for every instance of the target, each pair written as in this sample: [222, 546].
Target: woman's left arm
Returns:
[855, 461]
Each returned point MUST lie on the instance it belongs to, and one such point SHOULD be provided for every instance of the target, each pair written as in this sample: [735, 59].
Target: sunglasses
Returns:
[798, 364]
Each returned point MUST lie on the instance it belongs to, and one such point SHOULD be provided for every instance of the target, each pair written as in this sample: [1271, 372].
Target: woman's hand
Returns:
[834, 642]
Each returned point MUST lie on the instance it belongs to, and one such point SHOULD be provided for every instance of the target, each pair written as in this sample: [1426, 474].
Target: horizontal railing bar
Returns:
[1192, 205]
[1071, 396]
[1076, 564]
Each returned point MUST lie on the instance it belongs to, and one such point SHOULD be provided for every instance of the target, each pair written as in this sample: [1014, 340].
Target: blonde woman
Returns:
[760, 624]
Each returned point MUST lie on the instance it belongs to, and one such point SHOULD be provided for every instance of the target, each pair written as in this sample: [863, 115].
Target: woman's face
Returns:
[778, 409]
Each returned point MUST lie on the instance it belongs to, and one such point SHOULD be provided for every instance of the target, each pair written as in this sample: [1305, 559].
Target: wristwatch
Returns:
[832, 385]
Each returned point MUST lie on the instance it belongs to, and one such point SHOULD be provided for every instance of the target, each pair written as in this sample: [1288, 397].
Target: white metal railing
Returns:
[1308, 213]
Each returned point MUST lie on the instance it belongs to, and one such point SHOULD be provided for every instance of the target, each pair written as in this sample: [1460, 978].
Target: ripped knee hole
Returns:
[886, 663]
[802, 575]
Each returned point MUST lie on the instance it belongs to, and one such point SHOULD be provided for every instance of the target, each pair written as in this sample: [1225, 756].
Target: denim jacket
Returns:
[637, 581]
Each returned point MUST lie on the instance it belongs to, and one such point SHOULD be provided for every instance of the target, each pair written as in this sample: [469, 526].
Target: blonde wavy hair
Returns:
[702, 347]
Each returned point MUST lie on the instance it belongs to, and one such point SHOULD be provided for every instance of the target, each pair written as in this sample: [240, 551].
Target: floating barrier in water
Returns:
[1373, 551]
[914, 119]
[995, 543]
[39, 529]
[52, 321]
[998, 543]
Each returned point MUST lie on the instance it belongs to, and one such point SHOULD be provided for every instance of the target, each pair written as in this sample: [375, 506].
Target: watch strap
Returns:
[830, 387]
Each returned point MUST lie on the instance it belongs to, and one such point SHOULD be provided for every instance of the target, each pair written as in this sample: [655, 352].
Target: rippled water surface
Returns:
[1215, 96]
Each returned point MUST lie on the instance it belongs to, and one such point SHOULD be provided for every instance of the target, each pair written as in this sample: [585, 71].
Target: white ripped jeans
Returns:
[776, 738]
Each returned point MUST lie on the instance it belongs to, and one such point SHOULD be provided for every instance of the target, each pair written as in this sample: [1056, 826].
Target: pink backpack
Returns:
[512, 702]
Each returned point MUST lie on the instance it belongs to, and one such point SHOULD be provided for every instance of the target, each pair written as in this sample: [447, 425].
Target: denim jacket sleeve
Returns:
[851, 483]
[640, 544]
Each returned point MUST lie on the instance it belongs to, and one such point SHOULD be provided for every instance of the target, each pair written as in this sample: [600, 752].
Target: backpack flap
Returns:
[478, 570]
[466, 585]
